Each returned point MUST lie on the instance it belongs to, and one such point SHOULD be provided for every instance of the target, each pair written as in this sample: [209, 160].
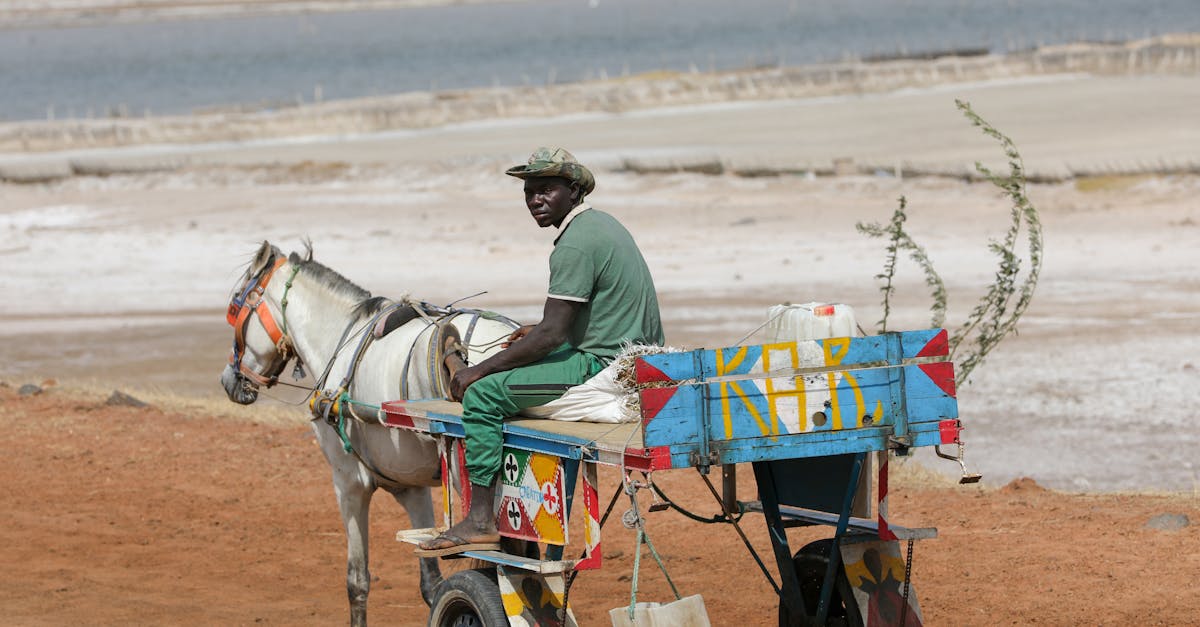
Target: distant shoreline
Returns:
[1166, 55]
[76, 13]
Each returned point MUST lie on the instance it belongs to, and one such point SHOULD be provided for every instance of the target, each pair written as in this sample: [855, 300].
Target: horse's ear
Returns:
[308, 249]
[262, 258]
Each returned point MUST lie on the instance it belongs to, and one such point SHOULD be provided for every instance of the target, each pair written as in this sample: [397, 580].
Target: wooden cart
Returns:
[807, 416]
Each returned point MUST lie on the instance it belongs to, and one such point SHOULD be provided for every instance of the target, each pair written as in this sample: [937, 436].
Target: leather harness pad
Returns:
[398, 318]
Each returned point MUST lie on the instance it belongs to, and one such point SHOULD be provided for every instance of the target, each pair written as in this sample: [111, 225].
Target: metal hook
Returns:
[656, 502]
[967, 477]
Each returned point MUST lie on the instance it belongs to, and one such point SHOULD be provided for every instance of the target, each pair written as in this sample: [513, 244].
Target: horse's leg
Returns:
[418, 502]
[354, 502]
[353, 488]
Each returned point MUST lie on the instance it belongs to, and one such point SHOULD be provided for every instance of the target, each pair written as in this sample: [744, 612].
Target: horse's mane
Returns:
[367, 305]
[370, 306]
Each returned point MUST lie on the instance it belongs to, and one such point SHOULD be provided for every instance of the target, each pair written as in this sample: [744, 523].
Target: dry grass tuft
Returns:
[1110, 183]
[908, 473]
[263, 412]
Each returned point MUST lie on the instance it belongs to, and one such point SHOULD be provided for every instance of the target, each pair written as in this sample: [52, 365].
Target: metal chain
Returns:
[907, 578]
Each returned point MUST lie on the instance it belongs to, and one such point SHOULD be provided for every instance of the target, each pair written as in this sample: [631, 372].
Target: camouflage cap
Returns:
[555, 162]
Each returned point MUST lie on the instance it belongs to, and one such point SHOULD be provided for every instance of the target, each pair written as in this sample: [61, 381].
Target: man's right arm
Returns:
[541, 340]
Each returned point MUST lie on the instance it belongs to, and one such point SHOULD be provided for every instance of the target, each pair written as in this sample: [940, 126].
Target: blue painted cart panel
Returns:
[773, 401]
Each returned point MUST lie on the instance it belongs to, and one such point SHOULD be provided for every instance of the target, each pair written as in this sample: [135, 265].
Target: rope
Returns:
[485, 346]
[283, 302]
[280, 399]
[661, 565]
[642, 538]
[757, 328]
[459, 300]
[341, 424]
[637, 568]
[631, 488]
[341, 405]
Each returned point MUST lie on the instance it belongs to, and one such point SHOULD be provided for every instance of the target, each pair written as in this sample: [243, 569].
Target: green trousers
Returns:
[501, 395]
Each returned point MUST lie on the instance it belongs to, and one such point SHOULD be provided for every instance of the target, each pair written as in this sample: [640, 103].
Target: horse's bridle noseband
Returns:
[249, 302]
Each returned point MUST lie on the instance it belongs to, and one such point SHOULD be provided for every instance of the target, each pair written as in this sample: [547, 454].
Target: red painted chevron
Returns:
[645, 373]
[937, 346]
[942, 375]
[653, 400]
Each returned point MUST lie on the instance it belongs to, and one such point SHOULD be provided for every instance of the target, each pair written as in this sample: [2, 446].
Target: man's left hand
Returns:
[463, 380]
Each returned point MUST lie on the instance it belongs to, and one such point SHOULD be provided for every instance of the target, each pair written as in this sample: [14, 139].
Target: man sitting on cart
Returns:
[601, 296]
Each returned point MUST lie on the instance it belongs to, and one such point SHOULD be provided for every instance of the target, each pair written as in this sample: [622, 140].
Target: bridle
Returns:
[248, 302]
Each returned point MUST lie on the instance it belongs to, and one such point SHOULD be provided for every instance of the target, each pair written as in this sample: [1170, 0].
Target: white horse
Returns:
[293, 307]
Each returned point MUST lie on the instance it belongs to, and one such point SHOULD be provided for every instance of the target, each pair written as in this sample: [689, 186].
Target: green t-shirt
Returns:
[596, 262]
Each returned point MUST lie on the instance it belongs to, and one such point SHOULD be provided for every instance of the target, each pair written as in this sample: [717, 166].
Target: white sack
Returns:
[598, 399]
[607, 397]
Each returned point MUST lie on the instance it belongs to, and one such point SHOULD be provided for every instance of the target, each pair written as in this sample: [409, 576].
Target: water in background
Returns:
[183, 66]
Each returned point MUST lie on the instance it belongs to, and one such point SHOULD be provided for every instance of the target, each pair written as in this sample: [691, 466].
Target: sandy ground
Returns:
[151, 516]
[121, 282]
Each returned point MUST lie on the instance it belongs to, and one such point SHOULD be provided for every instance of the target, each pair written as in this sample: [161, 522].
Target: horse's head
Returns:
[261, 346]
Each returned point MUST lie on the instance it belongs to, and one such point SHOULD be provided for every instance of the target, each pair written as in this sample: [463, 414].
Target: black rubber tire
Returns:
[810, 563]
[469, 598]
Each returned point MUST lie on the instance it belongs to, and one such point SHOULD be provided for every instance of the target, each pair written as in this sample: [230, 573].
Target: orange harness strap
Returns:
[268, 322]
[253, 303]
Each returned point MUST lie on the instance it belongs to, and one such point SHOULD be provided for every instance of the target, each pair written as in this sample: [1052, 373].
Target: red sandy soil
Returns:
[121, 515]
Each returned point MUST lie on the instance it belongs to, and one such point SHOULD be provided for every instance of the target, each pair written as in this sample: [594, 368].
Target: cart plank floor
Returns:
[602, 442]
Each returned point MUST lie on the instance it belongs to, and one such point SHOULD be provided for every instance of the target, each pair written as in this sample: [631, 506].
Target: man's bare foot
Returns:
[454, 355]
[462, 537]
[475, 532]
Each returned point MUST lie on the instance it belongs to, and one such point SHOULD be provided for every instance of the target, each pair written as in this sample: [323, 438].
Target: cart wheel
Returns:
[810, 563]
[469, 598]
